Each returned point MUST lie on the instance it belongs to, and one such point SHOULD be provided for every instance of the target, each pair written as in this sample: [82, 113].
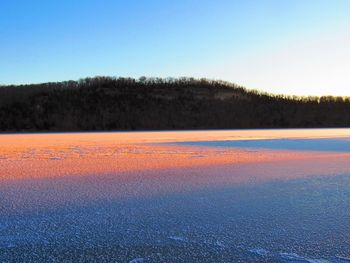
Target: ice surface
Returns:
[181, 239]
[323, 144]
[259, 251]
[137, 260]
[175, 208]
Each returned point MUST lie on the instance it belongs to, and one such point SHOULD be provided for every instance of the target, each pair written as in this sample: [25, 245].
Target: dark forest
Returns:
[106, 103]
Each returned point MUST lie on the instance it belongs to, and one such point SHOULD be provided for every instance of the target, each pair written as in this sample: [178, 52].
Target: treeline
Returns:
[105, 103]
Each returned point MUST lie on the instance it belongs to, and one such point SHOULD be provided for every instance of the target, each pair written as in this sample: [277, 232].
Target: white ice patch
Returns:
[259, 251]
[137, 260]
[291, 256]
[177, 238]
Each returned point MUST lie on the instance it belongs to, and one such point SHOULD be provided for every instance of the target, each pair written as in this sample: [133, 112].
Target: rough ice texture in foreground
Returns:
[150, 202]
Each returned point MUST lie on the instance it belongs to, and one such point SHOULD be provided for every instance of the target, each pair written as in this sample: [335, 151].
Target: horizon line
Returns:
[228, 82]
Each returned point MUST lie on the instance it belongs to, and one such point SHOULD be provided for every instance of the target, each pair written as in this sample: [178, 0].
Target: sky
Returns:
[299, 47]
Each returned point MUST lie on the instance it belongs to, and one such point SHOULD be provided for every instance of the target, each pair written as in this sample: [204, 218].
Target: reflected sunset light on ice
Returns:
[176, 196]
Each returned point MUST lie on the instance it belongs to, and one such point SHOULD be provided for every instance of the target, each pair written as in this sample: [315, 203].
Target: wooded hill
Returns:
[105, 103]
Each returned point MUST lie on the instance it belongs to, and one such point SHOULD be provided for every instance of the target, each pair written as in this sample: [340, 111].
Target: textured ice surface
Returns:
[323, 144]
[293, 221]
[282, 210]
[260, 251]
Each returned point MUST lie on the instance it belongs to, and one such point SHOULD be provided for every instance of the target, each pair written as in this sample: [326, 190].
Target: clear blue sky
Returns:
[281, 46]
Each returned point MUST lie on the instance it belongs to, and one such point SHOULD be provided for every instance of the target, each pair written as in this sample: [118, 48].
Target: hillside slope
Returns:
[105, 103]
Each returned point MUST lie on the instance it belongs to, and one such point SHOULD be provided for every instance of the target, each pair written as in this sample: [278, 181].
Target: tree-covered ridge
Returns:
[105, 103]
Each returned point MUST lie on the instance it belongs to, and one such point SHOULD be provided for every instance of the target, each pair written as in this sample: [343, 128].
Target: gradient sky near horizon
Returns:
[280, 46]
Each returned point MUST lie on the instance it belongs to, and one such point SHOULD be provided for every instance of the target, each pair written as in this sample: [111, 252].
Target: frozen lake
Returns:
[191, 196]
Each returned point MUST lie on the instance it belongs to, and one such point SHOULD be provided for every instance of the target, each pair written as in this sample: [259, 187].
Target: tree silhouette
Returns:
[106, 103]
